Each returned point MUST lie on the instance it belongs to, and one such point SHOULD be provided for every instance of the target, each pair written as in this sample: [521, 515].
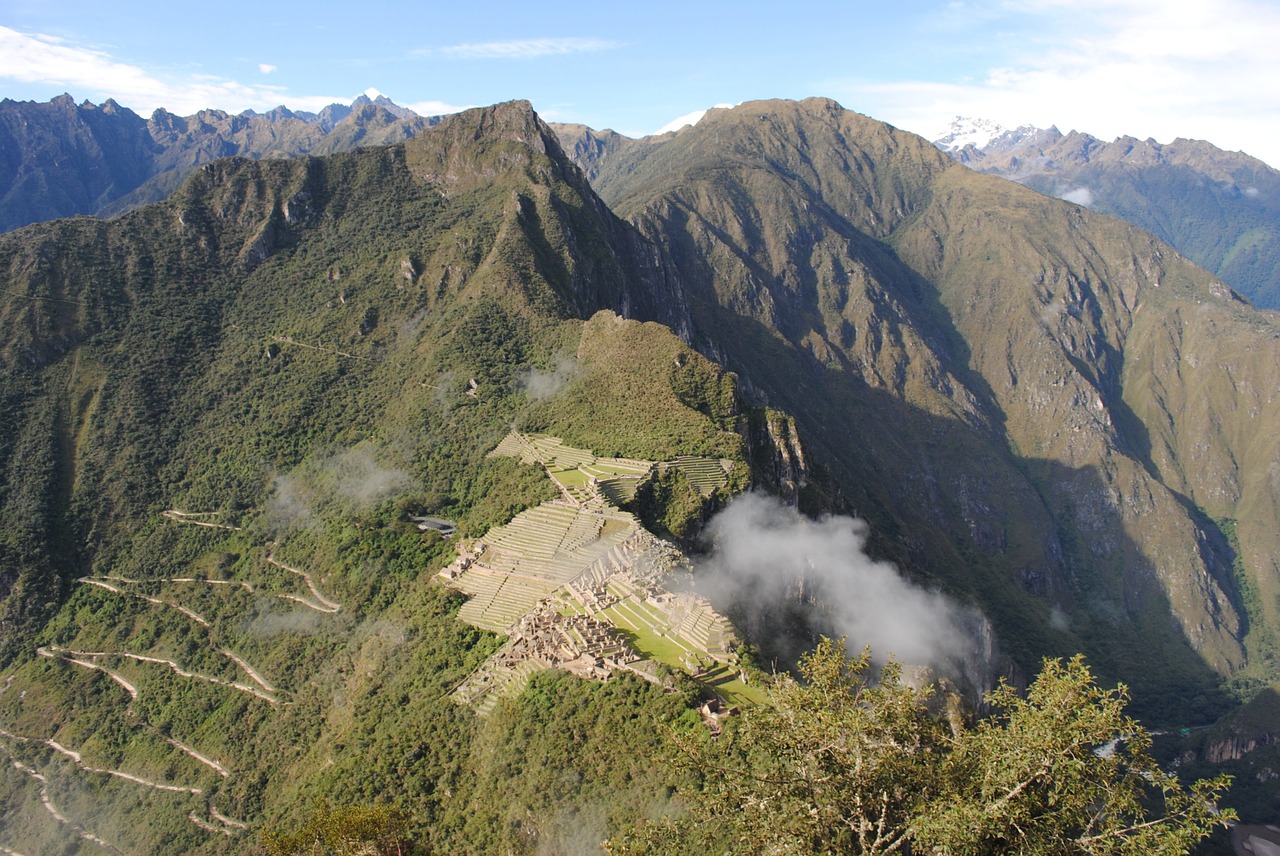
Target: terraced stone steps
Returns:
[509, 683]
[581, 557]
[706, 474]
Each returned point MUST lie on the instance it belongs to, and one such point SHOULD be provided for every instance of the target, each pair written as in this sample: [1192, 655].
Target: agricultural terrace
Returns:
[577, 583]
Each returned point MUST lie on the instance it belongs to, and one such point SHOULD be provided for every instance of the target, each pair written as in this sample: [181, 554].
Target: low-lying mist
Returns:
[787, 578]
[346, 480]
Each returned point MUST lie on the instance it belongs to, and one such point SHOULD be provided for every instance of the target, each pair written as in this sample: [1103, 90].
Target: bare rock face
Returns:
[778, 457]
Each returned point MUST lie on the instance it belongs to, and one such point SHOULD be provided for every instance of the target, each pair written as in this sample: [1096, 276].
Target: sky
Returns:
[1144, 68]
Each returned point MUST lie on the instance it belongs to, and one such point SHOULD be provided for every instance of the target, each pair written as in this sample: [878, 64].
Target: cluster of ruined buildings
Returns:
[560, 579]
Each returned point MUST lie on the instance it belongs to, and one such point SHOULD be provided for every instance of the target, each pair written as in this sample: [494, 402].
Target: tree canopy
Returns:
[841, 763]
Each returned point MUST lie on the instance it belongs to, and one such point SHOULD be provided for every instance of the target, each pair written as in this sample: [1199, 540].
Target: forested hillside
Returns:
[226, 410]
[223, 409]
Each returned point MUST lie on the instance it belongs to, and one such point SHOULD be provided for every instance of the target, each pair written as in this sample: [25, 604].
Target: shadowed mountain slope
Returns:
[1001, 382]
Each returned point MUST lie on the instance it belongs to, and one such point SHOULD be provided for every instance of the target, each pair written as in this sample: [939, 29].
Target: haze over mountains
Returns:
[60, 159]
[1043, 412]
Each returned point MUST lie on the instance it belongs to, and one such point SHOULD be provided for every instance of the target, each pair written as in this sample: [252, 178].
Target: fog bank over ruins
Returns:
[763, 554]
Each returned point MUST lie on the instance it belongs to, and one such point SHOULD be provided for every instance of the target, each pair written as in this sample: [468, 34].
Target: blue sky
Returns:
[1208, 70]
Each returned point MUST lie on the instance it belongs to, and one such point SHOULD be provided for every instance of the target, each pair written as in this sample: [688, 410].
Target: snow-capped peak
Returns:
[964, 131]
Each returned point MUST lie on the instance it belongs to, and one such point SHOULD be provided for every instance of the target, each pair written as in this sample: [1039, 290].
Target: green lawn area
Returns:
[645, 641]
[570, 478]
[734, 691]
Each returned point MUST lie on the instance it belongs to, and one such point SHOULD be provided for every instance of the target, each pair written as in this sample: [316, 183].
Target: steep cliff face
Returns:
[990, 373]
[61, 159]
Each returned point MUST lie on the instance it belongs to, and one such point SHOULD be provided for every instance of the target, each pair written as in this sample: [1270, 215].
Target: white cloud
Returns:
[688, 119]
[763, 553]
[436, 108]
[266, 67]
[681, 121]
[1080, 196]
[40, 59]
[526, 48]
[1146, 68]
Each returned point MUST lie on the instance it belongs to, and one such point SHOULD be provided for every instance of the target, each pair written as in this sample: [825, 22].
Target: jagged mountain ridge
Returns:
[62, 159]
[1218, 208]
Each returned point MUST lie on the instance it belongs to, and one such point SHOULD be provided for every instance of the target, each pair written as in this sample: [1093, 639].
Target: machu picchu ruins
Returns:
[577, 583]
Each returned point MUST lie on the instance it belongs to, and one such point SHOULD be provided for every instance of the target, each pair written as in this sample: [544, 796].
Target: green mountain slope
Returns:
[993, 376]
[224, 409]
[220, 411]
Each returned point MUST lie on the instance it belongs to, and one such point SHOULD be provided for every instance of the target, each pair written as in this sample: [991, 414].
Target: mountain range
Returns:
[226, 407]
[1219, 208]
[62, 159]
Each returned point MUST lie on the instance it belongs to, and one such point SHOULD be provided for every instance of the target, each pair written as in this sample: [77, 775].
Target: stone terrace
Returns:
[559, 578]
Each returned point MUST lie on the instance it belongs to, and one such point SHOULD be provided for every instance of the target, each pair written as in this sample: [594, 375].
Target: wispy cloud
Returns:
[1079, 195]
[42, 59]
[36, 58]
[266, 67]
[437, 108]
[764, 555]
[526, 48]
[1149, 68]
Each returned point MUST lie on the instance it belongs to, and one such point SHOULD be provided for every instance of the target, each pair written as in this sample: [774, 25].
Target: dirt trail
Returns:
[224, 820]
[175, 667]
[248, 670]
[185, 517]
[207, 826]
[129, 688]
[79, 761]
[246, 586]
[75, 756]
[203, 759]
[322, 348]
[328, 605]
[155, 600]
[241, 663]
[53, 809]
[7, 852]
